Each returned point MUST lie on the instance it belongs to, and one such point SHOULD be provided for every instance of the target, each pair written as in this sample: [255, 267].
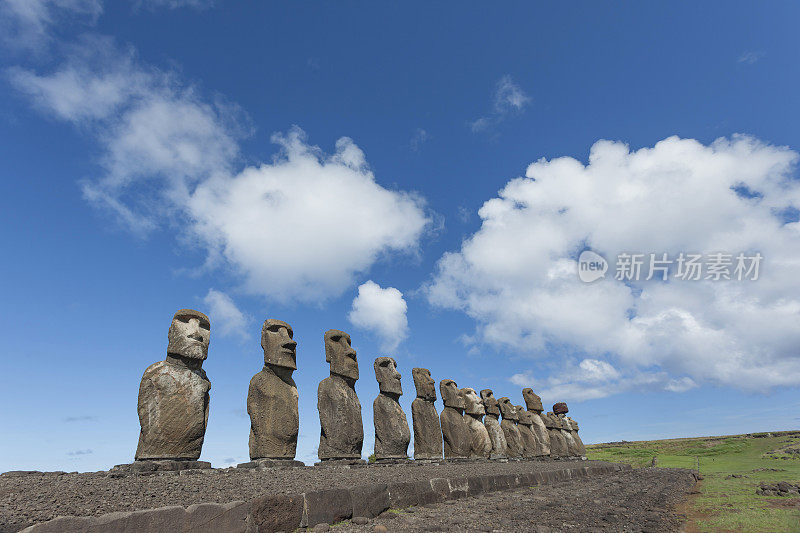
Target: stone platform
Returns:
[271, 463]
[258, 500]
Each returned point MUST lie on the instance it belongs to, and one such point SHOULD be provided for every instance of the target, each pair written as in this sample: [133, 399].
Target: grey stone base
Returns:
[271, 463]
[342, 462]
[287, 512]
[393, 461]
[161, 465]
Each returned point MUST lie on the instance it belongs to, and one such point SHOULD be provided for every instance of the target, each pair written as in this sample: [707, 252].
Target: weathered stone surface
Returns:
[392, 435]
[370, 500]
[427, 429]
[566, 431]
[455, 433]
[558, 445]
[277, 512]
[492, 424]
[480, 444]
[530, 446]
[341, 429]
[535, 408]
[271, 463]
[272, 397]
[327, 506]
[579, 443]
[560, 408]
[510, 430]
[164, 465]
[173, 394]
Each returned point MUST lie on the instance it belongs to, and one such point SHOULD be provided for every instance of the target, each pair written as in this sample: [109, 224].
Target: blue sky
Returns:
[253, 160]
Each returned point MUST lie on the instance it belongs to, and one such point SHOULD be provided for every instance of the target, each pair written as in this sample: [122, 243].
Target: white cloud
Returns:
[382, 311]
[508, 98]
[174, 4]
[225, 316]
[418, 139]
[517, 275]
[29, 23]
[523, 379]
[750, 57]
[300, 227]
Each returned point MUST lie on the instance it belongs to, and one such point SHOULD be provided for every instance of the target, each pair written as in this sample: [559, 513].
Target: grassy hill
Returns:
[732, 467]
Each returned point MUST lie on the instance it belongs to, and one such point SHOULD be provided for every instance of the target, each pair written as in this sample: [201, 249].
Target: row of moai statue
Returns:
[173, 408]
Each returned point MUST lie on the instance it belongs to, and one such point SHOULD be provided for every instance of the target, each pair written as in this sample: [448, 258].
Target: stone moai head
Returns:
[508, 410]
[472, 402]
[387, 375]
[532, 400]
[340, 354]
[525, 417]
[490, 403]
[551, 421]
[278, 344]
[560, 408]
[451, 396]
[189, 335]
[426, 386]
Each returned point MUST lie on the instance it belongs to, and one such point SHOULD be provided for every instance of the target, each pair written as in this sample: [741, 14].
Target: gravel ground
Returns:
[26, 499]
[641, 500]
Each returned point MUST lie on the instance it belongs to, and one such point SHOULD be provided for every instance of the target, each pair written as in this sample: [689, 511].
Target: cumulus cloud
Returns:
[517, 275]
[508, 98]
[523, 379]
[382, 311]
[301, 227]
[225, 316]
[29, 23]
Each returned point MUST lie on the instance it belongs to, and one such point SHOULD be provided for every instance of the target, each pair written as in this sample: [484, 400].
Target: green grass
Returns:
[724, 504]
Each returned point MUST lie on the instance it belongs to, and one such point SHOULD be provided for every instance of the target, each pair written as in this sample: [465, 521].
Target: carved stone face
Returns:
[532, 400]
[490, 403]
[525, 417]
[451, 396]
[189, 335]
[507, 409]
[426, 387]
[560, 408]
[279, 347]
[387, 375]
[472, 403]
[551, 421]
[573, 424]
[340, 354]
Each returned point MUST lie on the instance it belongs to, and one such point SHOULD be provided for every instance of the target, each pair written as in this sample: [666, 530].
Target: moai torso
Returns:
[558, 445]
[492, 425]
[173, 394]
[480, 443]
[534, 405]
[427, 429]
[530, 446]
[272, 396]
[510, 430]
[560, 411]
[392, 435]
[455, 432]
[341, 429]
[580, 446]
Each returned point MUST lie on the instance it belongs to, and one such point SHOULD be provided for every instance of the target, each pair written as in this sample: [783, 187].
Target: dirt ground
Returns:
[642, 500]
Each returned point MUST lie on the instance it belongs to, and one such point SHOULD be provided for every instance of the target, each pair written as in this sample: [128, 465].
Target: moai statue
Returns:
[490, 421]
[558, 445]
[272, 400]
[173, 395]
[427, 429]
[535, 408]
[581, 448]
[391, 427]
[457, 440]
[341, 431]
[510, 429]
[530, 447]
[560, 410]
[480, 443]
